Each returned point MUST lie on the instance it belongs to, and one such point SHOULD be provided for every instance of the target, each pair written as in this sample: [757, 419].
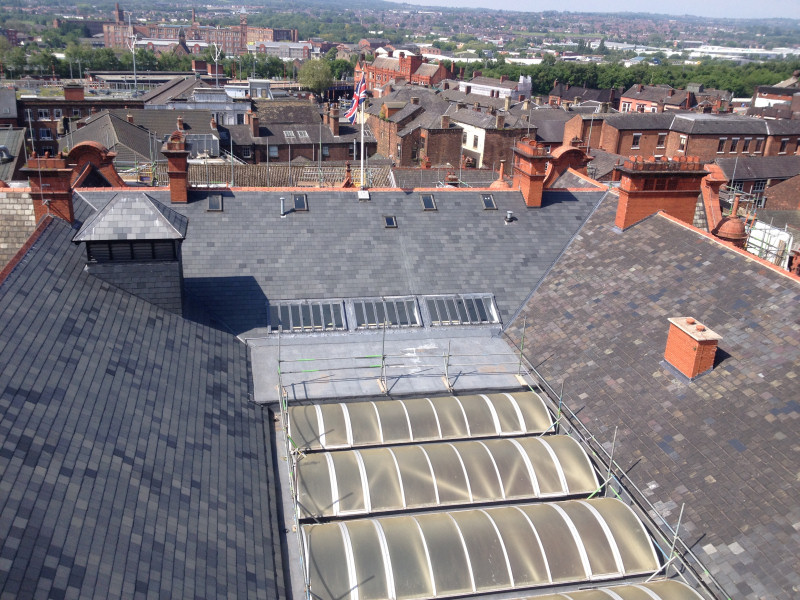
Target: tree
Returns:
[341, 68]
[316, 75]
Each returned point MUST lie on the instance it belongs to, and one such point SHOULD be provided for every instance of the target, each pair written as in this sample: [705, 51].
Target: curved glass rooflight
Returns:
[375, 480]
[655, 590]
[356, 424]
[475, 551]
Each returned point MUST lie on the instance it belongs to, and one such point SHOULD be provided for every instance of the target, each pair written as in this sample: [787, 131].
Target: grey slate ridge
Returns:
[133, 216]
[236, 261]
[724, 444]
[132, 143]
[133, 462]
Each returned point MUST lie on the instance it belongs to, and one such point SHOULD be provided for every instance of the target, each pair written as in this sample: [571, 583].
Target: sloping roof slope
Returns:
[341, 249]
[723, 444]
[132, 459]
[133, 216]
[760, 167]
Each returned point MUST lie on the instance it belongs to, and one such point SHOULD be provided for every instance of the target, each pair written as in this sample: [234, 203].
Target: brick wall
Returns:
[443, 146]
[498, 144]
[17, 222]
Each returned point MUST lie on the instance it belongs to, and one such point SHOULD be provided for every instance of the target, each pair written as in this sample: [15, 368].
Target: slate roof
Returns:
[570, 92]
[8, 102]
[789, 219]
[509, 84]
[164, 122]
[650, 93]
[12, 138]
[634, 120]
[179, 88]
[454, 95]
[133, 144]
[237, 260]
[133, 216]
[132, 459]
[17, 221]
[701, 123]
[484, 120]
[603, 163]
[759, 167]
[724, 444]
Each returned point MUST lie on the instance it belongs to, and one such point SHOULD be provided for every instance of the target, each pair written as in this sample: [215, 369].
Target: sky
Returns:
[706, 8]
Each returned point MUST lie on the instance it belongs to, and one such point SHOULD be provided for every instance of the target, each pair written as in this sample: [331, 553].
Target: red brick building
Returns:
[411, 68]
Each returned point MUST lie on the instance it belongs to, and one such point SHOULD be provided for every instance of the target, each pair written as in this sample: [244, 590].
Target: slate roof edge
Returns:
[727, 246]
[521, 307]
[32, 239]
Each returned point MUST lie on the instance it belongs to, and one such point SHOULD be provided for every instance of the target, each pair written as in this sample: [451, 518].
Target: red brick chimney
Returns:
[50, 186]
[445, 122]
[252, 120]
[74, 93]
[177, 167]
[530, 169]
[691, 347]
[129, 116]
[647, 187]
[180, 123]
[499, 121]
[334, 120]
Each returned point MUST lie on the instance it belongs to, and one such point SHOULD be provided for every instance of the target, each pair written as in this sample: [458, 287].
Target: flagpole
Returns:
[363, 181]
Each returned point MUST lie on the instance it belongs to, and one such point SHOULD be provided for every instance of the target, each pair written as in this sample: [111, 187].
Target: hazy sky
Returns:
[706, 8]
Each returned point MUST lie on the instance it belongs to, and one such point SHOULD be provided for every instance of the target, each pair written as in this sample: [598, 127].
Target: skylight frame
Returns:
[300, 202]
[428, 202]
[389, 222]
[215, 203]
[489, 202]
[396, 312]
[461, 309]
[306, 316]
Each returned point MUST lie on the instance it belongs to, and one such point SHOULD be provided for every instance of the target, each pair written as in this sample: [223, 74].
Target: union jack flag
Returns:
[359, 95]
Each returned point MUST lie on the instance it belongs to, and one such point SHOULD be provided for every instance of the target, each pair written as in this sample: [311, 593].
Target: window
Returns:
[76, 112]
[273, 151]
[289, 135]
[300, 203]
[44, 114]
[390, 222]
[784, 144]
[721, 145]
[488, 202]
[57, 113]
[240, 119]
[682, 143]
[637, 138]
[45, 134]
[474, 141]
[734, 144]
[428, 203]
[759, 186]
[746, 145]
[373, 313]
[662, 140]
[464, 138]
[759, 145]
[473, 309]
[325, 150]
[303, 136]
[305, 316]
[246, 152]
[626, 107]
[215, 202]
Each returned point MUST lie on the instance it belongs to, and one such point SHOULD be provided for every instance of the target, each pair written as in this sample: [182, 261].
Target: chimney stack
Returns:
[74, 93]
[51, 190]
[129, 116]
[507, 103]
[445, 122]
[180, 123]
[530, 169]
[415, 100]
[177, 167]
[254, 125]
[691, 346]
[334, 120]
[213, 123]
[500, 121]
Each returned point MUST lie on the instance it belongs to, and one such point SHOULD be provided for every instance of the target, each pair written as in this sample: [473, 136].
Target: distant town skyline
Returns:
[711, 8]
